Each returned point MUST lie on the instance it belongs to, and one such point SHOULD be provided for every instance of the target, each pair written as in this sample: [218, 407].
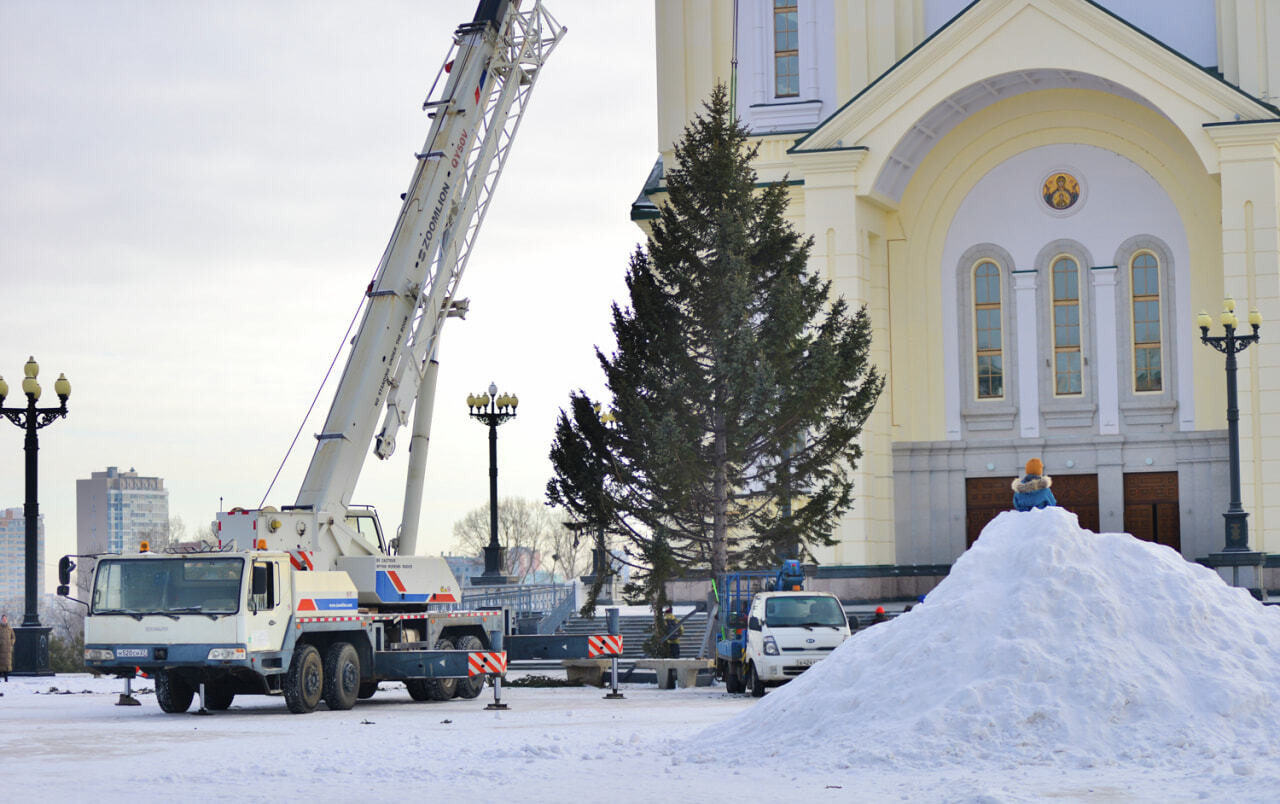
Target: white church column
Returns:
[849, 250]
[761, 40]
[808, 51]
[1249, 155]
[1105, 357]
[1024, 296]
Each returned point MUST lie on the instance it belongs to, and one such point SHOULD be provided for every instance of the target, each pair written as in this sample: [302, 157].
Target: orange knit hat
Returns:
[1035, 467]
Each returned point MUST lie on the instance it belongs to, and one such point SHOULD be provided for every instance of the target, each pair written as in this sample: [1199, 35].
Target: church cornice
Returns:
[983, 18]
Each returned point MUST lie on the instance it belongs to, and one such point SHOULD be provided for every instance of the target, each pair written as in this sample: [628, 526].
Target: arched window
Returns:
[1145, 289]
[786, 49]
[1067, 376]
[988, 348]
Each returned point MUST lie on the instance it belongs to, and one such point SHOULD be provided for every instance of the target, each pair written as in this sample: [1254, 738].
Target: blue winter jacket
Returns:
[1032, 491]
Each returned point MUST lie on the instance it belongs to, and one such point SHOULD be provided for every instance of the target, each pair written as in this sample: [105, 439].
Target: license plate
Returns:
[133, 653]
[806, 662]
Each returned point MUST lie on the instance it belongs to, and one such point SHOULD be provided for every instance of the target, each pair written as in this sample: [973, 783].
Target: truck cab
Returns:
[772, 630]
[787, 633]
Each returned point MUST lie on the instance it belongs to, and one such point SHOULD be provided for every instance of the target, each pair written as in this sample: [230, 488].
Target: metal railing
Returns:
[521, 598]
[550, 623]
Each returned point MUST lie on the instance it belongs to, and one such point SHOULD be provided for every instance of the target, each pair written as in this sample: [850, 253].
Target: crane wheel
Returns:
[732, 681]
[417, 688]
[471, 686]
[218, 695]
[304, 683]
[441, 689]
[341, 676]
[172, 693]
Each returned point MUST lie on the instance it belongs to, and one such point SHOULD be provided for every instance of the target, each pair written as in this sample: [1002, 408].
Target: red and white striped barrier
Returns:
[487, 662]
[604, 645]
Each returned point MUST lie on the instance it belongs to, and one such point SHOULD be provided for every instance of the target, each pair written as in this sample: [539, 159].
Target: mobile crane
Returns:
[310, 601]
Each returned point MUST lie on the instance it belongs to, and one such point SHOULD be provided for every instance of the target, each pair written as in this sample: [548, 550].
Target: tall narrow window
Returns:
[986, 331]
[786, 49]
[1067, 378]
[1145, 285]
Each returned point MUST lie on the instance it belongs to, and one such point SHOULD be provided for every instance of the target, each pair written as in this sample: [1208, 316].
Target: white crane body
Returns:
[309, 601]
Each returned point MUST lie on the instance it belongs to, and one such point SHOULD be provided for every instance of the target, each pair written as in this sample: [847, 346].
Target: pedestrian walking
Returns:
[7, 638]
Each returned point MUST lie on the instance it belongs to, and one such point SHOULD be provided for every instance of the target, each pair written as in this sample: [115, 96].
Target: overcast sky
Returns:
[193, 197]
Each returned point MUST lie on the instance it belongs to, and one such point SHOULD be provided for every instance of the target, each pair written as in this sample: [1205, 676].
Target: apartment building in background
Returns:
[116, 511]
[13, 552]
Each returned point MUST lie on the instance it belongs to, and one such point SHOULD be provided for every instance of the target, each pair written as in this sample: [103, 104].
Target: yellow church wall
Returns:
[870, 36]
[970, 151]
[694, 51]
[1249, 45]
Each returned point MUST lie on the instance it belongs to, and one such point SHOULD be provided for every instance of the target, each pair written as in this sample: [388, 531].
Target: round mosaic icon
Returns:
[1061, 191]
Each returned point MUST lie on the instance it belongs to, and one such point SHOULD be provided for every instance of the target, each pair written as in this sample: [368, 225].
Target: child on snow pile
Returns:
[1032, 491]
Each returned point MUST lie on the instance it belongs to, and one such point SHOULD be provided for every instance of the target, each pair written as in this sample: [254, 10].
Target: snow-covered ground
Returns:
[553, 744]
[1052, 664]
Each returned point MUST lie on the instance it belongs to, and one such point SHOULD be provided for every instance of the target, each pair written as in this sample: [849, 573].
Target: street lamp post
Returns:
[31, 647]
[1237, 521]
[493, 410]
[600, 551]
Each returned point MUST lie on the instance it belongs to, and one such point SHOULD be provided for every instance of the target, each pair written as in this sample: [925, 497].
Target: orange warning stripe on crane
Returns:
[486, 662]
[298, 621]
[434, 615]
[604, 645]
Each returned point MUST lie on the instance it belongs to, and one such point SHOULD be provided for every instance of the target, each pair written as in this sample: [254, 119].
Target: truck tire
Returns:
[367, 689]
[441, 689]
[754, 683]
[341, 676]
[218, 695]
[304, 683]
[172, 693]
[417, 688]
[732, 680]
[471, 686]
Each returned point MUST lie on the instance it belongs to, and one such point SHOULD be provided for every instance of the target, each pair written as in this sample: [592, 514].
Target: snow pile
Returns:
[1046, 643]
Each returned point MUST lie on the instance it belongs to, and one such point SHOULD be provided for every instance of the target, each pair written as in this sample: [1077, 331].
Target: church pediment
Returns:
[998, 49]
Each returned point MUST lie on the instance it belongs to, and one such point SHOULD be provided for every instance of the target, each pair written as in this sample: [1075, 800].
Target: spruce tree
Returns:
[739, 385]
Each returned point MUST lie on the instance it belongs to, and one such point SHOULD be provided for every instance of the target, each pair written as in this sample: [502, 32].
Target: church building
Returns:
[1034, 199]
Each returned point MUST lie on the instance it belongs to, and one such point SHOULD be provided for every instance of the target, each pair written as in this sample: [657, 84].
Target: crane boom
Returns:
[492, 68]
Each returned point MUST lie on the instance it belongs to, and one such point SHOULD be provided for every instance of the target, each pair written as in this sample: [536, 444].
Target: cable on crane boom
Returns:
[310, 408]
